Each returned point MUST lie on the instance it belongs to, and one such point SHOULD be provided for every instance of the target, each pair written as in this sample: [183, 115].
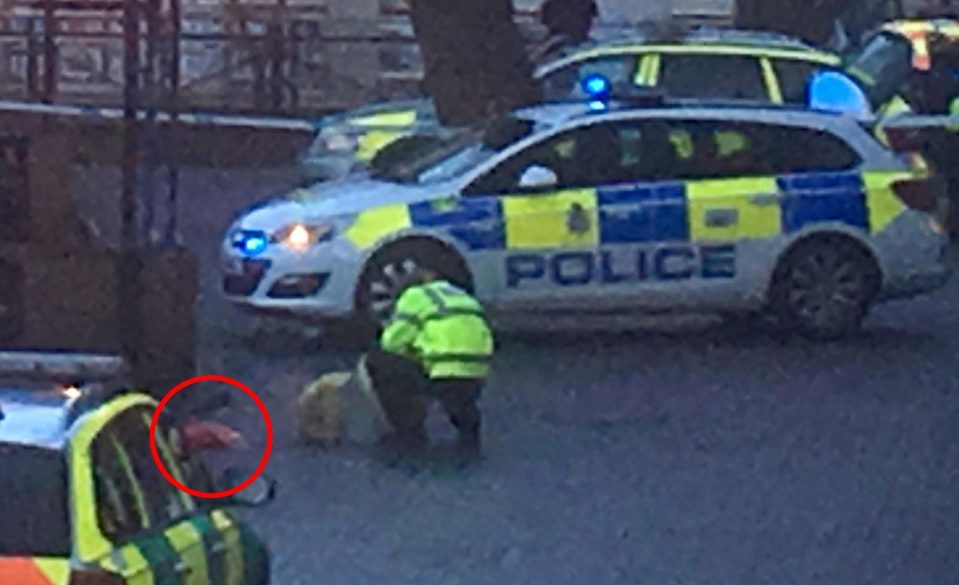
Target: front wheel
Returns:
[394, 269]
[824, 288]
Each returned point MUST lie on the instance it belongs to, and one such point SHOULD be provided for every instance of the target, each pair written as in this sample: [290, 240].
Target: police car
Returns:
[83, 502]
[705, 63]
[594, 206]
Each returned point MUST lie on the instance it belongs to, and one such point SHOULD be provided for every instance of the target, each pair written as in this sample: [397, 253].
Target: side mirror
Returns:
[259, 493]
[538, 177]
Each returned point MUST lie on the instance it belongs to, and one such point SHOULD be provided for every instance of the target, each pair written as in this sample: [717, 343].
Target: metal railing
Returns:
[274, 59]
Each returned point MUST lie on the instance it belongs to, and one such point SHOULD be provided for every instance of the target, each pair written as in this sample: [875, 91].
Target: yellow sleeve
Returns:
[405, 326]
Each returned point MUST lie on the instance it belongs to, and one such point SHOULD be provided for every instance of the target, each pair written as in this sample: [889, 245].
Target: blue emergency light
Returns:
[832, 91]
[598, 89]
[250, 243]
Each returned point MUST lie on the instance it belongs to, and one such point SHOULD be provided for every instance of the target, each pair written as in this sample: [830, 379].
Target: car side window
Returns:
[712, 76]
[794, 77]
[564, 83]
[117, 492]
[164, 502]
[600, 154]
[709, 149]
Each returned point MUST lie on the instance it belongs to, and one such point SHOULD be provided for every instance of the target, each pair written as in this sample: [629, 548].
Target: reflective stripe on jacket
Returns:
[444, 328]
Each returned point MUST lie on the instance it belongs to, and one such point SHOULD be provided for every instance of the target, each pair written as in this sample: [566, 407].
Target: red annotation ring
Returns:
[266, 452]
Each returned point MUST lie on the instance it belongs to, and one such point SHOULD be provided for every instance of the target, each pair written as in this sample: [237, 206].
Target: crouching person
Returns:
[437, 346]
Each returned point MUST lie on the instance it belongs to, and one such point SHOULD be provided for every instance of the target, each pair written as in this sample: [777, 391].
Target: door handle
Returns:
[219, 548]
[577, 220]
[182, 568]
[722, 217]
[768, 198]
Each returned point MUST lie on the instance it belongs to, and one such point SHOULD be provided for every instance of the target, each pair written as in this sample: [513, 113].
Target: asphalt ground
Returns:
[699, 454]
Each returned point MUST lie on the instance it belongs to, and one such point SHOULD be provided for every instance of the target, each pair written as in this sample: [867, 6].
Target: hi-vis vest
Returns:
[444, 328]
[919, 32]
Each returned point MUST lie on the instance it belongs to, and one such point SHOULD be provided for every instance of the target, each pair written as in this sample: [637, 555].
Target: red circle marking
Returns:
[266, 452]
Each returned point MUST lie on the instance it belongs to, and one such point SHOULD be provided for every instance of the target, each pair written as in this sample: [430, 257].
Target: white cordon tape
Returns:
[49, 365]
[194, 118]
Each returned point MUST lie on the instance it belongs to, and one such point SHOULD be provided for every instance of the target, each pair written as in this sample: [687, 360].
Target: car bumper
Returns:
[919, 283]
[317, 284]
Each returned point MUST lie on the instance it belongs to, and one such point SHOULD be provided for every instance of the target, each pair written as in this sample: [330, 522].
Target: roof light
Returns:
[597, 87]
[831, 91]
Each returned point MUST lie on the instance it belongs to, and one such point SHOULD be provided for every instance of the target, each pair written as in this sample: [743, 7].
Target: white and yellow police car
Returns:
[699, 64]
[600, 207]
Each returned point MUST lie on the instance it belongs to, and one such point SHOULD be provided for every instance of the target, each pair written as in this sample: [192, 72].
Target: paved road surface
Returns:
[698, 457]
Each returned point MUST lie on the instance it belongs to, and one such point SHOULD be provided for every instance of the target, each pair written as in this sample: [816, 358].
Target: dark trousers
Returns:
[405, 390]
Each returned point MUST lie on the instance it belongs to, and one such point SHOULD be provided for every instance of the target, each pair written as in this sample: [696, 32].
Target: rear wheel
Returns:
[824, 287]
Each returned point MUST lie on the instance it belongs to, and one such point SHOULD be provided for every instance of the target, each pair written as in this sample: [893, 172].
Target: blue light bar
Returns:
[597, 87]
[832, 91]
[251, 243]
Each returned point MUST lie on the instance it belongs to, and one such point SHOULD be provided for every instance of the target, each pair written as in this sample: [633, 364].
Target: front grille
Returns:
[245, 283]
[298, 286]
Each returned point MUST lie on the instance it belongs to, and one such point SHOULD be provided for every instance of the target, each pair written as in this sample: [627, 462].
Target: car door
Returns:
[546, 195]
[749, 183]
[219, 530]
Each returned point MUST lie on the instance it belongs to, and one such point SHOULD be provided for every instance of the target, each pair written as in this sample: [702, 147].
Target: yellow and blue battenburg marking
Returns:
[664, 231]
[660, 212]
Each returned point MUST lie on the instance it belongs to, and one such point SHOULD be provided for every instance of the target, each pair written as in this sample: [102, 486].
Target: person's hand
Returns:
[211, 435]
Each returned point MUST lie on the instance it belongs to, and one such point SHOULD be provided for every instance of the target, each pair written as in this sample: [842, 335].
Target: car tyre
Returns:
[824, 287]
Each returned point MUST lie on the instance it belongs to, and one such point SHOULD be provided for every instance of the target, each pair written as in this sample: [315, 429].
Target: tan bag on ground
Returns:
[341, 407]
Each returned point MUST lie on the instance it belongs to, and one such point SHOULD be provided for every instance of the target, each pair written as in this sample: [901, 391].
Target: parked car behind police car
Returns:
[705, 63]
[574, 208]
[83, 502]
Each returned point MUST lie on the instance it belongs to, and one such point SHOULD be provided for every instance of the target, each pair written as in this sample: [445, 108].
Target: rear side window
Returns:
[794, 77]
[34, 506]
[712, 76]
[708, 149]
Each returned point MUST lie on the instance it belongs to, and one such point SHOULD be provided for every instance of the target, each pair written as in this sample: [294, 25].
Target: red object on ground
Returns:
[209, 435]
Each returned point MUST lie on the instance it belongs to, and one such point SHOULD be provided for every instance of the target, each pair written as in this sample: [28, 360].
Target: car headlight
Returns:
[300, 236]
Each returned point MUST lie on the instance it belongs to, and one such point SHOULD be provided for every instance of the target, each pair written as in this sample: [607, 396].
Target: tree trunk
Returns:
[475, 61]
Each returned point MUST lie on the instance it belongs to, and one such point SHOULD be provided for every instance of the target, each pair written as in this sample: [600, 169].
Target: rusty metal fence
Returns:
[243, 58]
[267, 58]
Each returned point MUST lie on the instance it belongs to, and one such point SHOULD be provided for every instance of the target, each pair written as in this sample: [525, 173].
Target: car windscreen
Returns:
[34, 507]
[427, 159]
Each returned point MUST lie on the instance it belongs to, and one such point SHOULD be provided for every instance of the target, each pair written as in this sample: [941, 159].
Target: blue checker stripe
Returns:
[477, 223]
[826, 197]
[659, 213]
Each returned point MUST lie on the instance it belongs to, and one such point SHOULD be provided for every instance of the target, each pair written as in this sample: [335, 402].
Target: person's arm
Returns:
[405, 326]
